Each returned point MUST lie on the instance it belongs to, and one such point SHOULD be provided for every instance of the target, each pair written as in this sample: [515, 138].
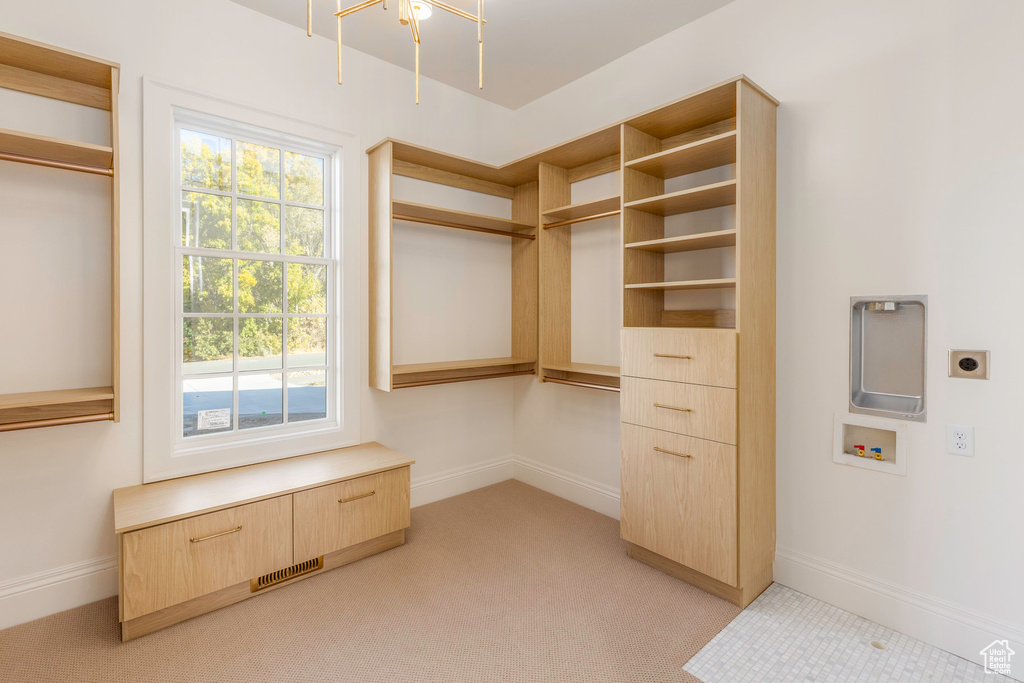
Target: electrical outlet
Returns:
[968, 364]
[960, 440]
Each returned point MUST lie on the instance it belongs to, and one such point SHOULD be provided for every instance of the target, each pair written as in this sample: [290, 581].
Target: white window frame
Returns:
[167, 453]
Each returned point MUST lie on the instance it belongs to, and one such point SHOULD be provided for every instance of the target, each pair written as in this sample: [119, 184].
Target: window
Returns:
[255, 297]
[251, 284]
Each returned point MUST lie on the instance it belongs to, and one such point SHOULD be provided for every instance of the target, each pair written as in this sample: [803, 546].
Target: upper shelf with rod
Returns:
[459, 220]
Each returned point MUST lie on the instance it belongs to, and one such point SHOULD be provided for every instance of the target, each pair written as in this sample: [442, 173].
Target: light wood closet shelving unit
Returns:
[698, 402]
[47, 71]
[697, 384]
[588, 156]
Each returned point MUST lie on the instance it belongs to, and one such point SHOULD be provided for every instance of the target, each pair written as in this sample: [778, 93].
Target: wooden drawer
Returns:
[691, 409]
[171, 563]
[681, 504]
[333, 517]
[700, 356]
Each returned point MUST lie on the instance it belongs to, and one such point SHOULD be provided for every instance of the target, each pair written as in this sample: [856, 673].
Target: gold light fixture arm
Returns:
[455, 10]
[414, 25]
[309, 18]
[480, 37]
[355, 8]
[338, 20]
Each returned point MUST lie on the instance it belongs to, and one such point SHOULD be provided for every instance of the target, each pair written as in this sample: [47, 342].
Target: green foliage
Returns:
[209, 283]
[207, 339]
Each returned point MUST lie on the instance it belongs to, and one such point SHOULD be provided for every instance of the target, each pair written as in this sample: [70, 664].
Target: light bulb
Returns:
[421, 9]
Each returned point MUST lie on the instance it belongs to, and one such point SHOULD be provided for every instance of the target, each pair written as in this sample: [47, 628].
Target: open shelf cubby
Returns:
[392, 158]
[558, 215]
[58, 74]
[682, 193]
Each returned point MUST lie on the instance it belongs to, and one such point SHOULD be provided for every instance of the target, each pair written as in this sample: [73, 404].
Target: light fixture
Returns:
[410, 13]
[421, 10]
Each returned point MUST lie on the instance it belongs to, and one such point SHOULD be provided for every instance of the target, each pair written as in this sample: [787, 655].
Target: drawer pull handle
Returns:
[669, 355]
[678, 455]
[681, 410]
[361, 495]
[223, 533]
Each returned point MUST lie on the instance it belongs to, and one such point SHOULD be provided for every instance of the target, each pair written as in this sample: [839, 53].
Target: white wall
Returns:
[899, 173]
[57, 547]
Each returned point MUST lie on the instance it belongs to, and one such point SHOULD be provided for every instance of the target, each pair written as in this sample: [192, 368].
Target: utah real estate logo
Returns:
[997, 657]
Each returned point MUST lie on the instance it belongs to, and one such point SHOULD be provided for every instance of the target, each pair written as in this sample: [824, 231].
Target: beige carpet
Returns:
[506, 583]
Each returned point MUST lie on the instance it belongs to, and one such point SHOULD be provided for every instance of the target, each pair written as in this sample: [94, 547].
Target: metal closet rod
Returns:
[461, 226]
[14, 426]
[65, 165]
[574, 383]
[570, 221]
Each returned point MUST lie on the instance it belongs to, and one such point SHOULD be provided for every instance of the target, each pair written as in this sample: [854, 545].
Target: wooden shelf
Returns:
[685, 201]
[51, 408]
[711, 152]
[458, 220]
[445, 372]
[71, 66]
[90, 158]
[697, 242]
[584, 210]
[720, 283]
[585, 375]
[53, 398]
[586, 369]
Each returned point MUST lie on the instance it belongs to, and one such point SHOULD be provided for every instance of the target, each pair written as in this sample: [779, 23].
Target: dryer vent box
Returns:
[888, 338]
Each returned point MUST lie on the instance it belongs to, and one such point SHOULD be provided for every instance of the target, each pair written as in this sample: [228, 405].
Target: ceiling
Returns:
[531, 47]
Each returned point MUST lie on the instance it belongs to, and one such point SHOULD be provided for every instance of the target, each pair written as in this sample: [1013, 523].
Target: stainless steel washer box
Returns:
[888, 345]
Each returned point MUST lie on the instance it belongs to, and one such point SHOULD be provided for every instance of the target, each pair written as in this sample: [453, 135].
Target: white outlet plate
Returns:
[960, 440]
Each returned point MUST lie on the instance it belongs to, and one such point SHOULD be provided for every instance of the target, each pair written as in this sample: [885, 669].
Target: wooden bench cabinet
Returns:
[192, 545]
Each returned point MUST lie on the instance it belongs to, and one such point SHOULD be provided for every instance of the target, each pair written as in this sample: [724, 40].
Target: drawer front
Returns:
[691, 409]
[333, 517]
[171, 563]
[681, 503]
[677, 355]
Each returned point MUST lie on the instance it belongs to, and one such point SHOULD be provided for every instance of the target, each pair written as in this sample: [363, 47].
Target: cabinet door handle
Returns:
[678, 455]
[669, 355]
[681, 410]
[361, 495]
[223, 533]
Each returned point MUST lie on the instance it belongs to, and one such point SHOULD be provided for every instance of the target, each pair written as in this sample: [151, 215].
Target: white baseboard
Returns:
[460, 480]
[580, 490]
[27, 598]
[931, 620]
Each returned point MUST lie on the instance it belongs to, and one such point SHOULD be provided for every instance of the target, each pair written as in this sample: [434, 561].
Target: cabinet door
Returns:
[679, 499]
[171, 563]
[340, 515]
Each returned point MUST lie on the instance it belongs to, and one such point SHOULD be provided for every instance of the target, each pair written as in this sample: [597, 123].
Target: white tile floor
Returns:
[788, 636]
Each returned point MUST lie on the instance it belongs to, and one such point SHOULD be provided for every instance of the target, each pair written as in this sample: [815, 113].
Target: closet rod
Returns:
[570, 221]
[14, 426]
[573, 383]
[67, 166]
[462, 226]
[452, 380]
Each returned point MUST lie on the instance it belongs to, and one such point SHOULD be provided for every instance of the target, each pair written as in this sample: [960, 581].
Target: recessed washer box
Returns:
[888, 339]
[887, 436]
